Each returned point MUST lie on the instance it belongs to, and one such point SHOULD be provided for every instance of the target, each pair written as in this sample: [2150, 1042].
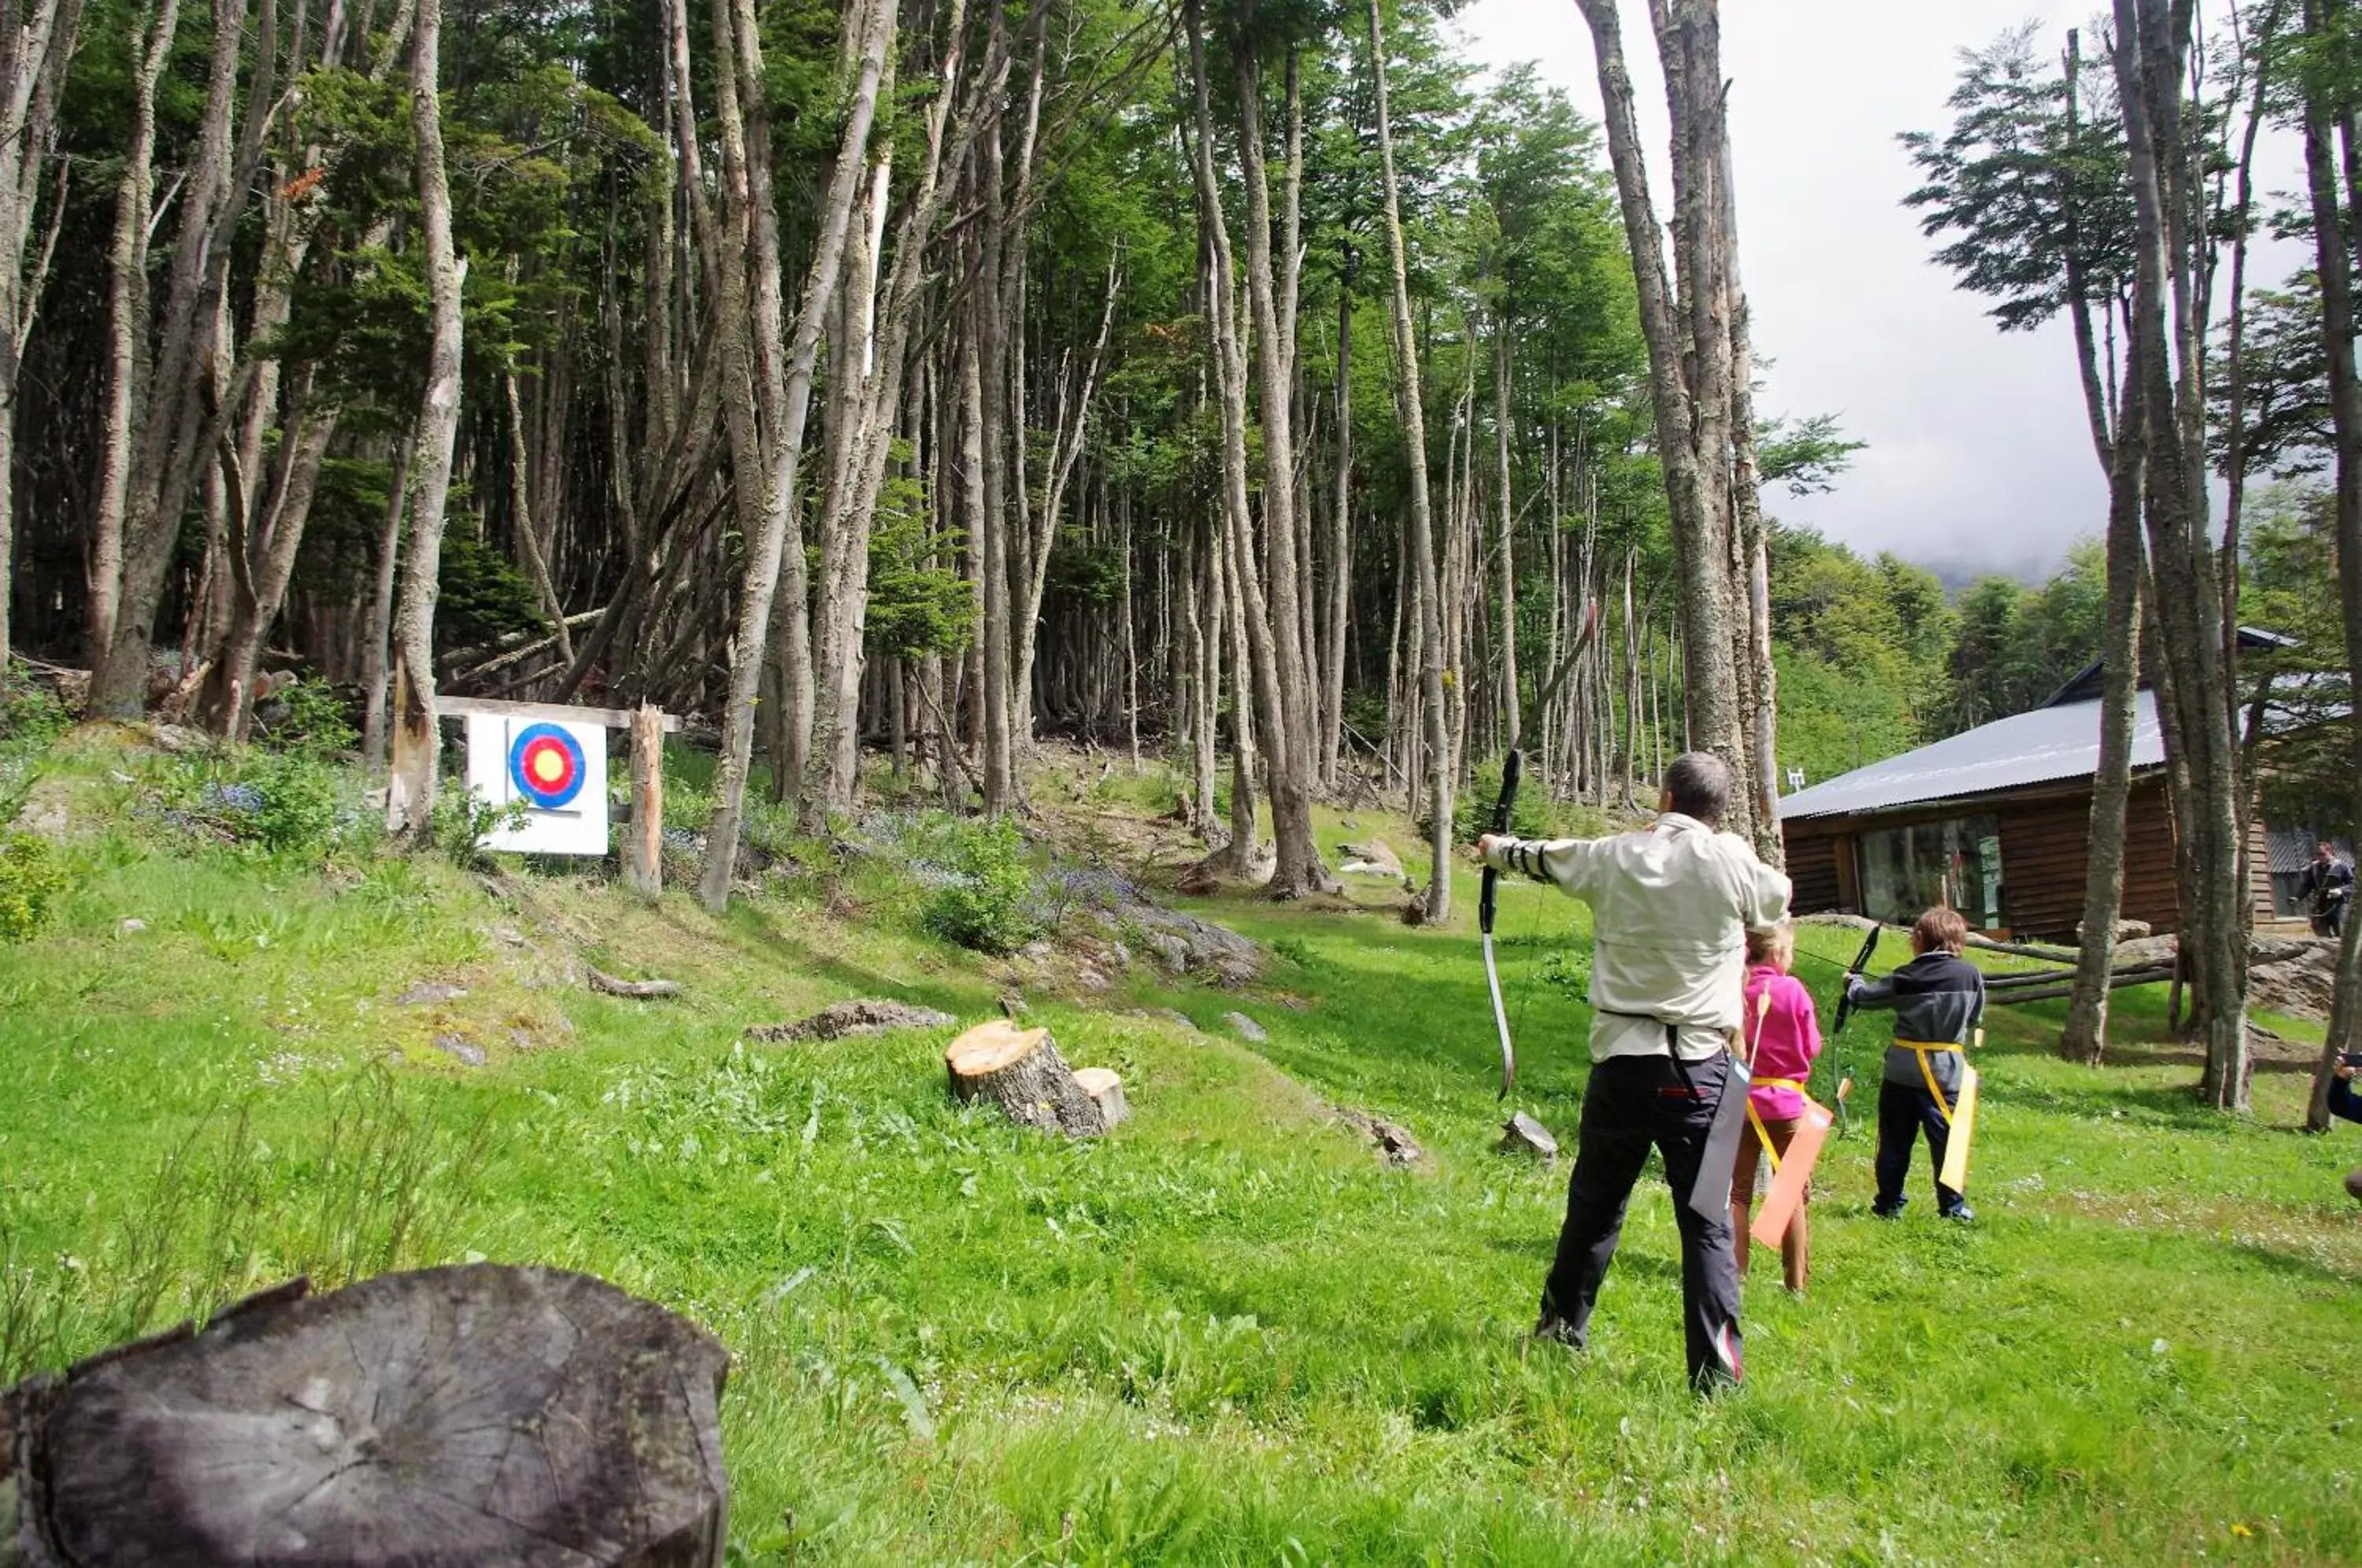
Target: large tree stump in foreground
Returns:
[1020, 1071]
[454, 1416]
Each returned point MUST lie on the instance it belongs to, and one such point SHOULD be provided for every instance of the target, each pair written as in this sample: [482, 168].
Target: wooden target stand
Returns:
[642, 850]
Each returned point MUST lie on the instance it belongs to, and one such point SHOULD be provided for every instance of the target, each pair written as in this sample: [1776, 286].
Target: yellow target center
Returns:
[548, 767]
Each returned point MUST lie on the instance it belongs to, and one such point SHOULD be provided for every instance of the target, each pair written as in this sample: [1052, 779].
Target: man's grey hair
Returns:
[1699, 783]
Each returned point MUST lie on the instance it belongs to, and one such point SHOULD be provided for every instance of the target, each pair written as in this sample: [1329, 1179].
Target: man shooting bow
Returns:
[2326, 887]
[1670, 909]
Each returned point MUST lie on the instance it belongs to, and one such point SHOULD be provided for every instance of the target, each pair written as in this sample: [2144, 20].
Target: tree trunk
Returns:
[2323, 117]
[35, 52]
[785, 396]
[1689, 351]
[588, 1433]
[2086, 1035]
[1407, 403]
[2151, 50]
[409, 795]
[166, 440]
[375, 649]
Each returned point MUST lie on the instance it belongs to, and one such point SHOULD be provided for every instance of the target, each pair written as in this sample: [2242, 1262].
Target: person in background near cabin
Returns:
[1786, 1036]
[2343, 1101]
[1938, 1000]
[2326, 888]
[1671, 907]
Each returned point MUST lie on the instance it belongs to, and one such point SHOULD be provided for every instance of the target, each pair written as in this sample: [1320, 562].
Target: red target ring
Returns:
[545, 764]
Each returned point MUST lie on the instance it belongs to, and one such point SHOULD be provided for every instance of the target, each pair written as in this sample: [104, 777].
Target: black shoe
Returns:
[1964, 1214]
[1893, 1211]
[1556, 1331]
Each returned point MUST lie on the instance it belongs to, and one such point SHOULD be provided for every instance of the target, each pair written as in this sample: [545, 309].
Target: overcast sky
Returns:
[1978, 455]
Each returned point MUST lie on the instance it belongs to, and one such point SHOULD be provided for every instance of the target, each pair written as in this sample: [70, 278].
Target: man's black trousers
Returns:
[1904, 1111]
[1634, 1103]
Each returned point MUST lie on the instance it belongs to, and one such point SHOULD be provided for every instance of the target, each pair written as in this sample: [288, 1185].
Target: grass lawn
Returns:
[1225, 1335]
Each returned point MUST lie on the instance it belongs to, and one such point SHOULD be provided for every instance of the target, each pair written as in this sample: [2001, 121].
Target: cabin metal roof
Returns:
[2059, 741]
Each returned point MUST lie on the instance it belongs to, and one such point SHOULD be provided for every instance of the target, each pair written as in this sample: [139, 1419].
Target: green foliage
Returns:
[2016, 645]
[289, 803]
[1860, 650]
[463, 819]
[2304, 759]
[953, 1340]
[483, 595]
[316, 722]
[919, 602]
[984, 899]
[30, 714]
[31, 882]
[2017, 190]
[1568, 971]
[30, 718]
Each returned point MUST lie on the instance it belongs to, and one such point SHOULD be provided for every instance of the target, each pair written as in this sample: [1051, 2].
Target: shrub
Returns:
[986, 901]
[316, 719]
[30, 715]
[30, 882]
[463, 819]
[297, 811]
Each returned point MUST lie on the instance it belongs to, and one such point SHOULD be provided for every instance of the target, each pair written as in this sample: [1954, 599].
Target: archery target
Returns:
[545, 766]
[559, 769]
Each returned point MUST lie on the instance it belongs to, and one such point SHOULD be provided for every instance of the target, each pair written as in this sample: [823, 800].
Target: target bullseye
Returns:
[546, 764]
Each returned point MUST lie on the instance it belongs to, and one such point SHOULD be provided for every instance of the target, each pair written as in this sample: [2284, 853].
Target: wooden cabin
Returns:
[1993, 822]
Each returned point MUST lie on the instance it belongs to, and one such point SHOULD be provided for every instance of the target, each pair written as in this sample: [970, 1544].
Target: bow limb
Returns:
[1487, 900]
[1844, 1010]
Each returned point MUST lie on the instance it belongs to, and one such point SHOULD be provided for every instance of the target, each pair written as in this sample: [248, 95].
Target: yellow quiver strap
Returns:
[1762, 1135]
[1961, 1117]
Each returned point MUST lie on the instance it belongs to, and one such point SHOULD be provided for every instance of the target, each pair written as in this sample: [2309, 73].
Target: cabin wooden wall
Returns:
[2042, 859]
[2043, 863]
[1812, 867]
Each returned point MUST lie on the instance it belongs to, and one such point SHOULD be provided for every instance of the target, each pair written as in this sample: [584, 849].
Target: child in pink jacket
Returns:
[1784, 1036]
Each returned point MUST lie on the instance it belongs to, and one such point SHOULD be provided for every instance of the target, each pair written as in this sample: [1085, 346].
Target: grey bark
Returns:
[410, 793]
[2151, 53]
[784, 396]
[2325, 119]
[1425, 588]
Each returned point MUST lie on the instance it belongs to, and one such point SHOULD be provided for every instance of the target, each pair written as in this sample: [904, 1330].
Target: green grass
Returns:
[1225, 1335]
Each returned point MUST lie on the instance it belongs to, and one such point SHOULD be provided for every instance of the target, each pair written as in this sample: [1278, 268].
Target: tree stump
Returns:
[1521, 1134]
[1020, 1071]
[1106, 1091]
[453, 1416]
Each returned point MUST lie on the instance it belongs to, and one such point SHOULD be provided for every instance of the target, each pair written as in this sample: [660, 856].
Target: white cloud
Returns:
[1979, 451]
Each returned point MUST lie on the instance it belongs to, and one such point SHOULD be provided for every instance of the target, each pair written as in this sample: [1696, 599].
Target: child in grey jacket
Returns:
[1938, 1000]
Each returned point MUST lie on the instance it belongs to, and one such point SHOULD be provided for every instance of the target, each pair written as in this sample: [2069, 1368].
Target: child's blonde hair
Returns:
[1772, 944]
[1940, 929]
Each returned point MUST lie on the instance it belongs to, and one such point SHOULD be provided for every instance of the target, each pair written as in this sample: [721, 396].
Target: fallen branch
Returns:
[2156, 976]
[644, 989]
[2042, 950]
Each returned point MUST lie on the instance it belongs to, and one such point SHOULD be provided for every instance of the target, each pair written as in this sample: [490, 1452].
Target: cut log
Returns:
[1106, 1091]
[643, 989]
[1521, 1134]
[453, 1416]
[1020, 1071]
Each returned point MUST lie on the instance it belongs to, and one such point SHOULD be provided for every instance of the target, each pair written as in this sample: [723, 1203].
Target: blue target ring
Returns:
[545, 764]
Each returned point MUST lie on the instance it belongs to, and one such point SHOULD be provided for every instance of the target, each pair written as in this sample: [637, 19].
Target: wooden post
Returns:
[644, 843]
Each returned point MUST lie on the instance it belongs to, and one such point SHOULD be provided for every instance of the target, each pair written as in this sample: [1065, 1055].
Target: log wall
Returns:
[2042, 836]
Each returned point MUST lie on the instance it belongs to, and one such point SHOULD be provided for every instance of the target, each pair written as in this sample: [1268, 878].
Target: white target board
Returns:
[559, 770]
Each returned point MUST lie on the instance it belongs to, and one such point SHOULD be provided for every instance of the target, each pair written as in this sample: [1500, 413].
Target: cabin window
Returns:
[1957, 862]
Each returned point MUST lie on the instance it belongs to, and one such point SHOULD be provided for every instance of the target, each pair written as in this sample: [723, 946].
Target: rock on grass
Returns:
[840, 1020]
